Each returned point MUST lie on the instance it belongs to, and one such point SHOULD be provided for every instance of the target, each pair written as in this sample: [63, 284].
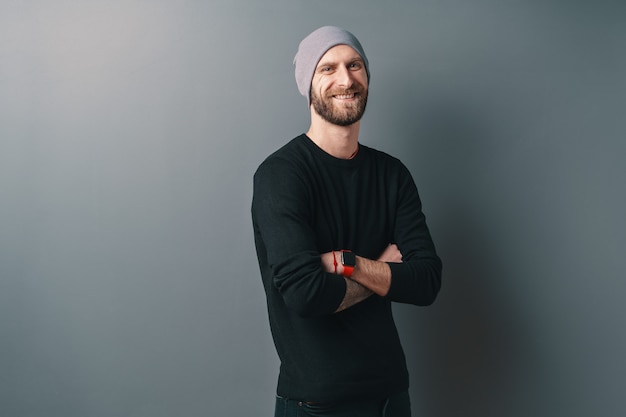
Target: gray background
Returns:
[130, 131]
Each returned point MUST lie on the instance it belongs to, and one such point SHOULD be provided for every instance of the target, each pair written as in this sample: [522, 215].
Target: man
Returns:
[340, 234]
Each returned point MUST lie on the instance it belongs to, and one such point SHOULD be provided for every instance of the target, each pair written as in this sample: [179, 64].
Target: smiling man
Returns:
[341, 80]
[340, 235]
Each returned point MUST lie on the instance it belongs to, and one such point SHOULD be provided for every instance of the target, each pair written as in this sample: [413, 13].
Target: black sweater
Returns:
[307, 202]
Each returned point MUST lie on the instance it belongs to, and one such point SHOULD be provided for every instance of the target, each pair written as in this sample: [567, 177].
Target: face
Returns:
[339, 86]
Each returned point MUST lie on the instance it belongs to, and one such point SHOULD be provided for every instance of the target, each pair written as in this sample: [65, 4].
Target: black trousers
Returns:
[398, 405]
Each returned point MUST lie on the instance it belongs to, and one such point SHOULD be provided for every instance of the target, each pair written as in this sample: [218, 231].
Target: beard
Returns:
[337, 113]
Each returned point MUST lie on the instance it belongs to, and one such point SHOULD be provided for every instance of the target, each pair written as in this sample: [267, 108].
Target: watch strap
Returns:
[348, 260]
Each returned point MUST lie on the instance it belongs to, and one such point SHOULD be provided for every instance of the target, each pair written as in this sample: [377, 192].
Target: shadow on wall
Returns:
[469, 352]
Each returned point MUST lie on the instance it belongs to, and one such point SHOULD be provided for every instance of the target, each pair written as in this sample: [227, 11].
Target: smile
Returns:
[344, 96]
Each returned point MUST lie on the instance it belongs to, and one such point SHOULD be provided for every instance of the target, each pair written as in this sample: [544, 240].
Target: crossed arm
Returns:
[369, 276]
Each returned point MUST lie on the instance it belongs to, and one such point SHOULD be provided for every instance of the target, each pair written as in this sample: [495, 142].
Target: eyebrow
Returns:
[333, 63]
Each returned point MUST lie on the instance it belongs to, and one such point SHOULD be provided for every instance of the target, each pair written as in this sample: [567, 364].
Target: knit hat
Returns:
[314, 46]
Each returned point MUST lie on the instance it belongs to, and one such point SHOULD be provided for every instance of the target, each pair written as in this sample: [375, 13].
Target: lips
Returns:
[349, 94]
[344, 96]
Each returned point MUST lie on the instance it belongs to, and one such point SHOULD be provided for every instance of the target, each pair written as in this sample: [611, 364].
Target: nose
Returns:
[344, 77]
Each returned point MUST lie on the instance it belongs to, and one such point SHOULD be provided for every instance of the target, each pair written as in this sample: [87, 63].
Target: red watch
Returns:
[348, 260]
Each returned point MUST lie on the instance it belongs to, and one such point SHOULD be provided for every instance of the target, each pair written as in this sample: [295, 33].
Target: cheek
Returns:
[317, 86]
[320, 89]
[363, 81]
[321, 84]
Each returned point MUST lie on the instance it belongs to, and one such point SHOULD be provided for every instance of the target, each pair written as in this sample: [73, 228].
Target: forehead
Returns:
[339, 53]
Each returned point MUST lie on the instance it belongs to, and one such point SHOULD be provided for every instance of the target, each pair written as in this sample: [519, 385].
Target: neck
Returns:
[339, 141]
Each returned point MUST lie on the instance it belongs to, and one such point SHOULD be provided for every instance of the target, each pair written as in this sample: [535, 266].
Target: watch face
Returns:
[348, 258]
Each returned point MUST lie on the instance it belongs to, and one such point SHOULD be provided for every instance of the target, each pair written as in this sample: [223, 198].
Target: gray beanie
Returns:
[314, 46]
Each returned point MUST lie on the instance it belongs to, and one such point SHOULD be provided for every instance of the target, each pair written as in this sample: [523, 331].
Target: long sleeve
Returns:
[417, 280]
[282, 215]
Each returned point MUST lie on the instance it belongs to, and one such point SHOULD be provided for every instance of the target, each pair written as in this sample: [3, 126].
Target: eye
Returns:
[356, 65]
[326, 70]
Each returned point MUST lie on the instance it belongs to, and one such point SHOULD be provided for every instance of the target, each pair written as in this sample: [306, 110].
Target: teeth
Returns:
[344, 96]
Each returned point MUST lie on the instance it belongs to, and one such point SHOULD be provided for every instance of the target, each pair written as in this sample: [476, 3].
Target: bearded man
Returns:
[340, 235]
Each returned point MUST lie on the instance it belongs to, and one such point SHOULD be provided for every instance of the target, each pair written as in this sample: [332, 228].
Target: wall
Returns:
[129, 133]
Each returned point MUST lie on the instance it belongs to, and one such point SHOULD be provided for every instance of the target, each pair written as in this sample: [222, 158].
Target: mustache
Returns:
[356, 89]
